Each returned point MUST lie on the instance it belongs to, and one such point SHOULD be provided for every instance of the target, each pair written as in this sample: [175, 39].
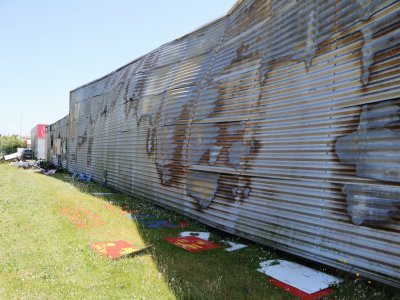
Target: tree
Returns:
[9, 144]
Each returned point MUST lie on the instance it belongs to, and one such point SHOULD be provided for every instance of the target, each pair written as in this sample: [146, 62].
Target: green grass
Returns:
[45, 256]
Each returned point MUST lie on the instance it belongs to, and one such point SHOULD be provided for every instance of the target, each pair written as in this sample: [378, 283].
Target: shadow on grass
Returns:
[218, 274]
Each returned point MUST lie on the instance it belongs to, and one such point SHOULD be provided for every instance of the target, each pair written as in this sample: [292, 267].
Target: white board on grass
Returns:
[303, 278]
[234, 246]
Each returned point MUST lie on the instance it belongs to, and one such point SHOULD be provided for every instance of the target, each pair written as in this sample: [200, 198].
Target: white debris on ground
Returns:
[49, 172]
[233, 246]
[11, 156]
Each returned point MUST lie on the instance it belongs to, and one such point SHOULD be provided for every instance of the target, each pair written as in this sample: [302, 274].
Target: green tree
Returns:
[9, 144]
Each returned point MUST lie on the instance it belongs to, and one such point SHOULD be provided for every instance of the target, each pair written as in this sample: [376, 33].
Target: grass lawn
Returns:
[43, 255]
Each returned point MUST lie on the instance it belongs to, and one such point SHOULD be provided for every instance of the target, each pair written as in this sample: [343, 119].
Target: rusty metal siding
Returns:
[278, 123]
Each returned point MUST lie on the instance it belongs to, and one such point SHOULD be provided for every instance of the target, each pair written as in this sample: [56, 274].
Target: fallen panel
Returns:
[158, 224]
[299, 293]
[303, 278]
[11, 156]
[234, 246]
[117, 249]
[193, 244]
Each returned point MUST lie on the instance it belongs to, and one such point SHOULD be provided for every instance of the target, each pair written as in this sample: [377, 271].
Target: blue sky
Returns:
[51, 47]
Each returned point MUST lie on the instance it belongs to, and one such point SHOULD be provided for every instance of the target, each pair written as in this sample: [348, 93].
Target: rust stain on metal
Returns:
[89, 151]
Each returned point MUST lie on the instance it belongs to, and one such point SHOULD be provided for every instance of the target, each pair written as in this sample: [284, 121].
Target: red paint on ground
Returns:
[82, 218]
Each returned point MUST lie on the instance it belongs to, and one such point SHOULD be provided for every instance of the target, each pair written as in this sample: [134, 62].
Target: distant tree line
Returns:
[9, 144]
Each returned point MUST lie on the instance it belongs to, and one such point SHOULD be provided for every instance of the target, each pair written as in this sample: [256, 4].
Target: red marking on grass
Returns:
[299, 293]
[192, 243]
[114, 250]
[108, 206]
[82, 218]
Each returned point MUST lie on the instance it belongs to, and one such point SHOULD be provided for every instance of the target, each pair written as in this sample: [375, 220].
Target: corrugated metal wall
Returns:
[57, 142]
[34, 141]
[278, 122]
